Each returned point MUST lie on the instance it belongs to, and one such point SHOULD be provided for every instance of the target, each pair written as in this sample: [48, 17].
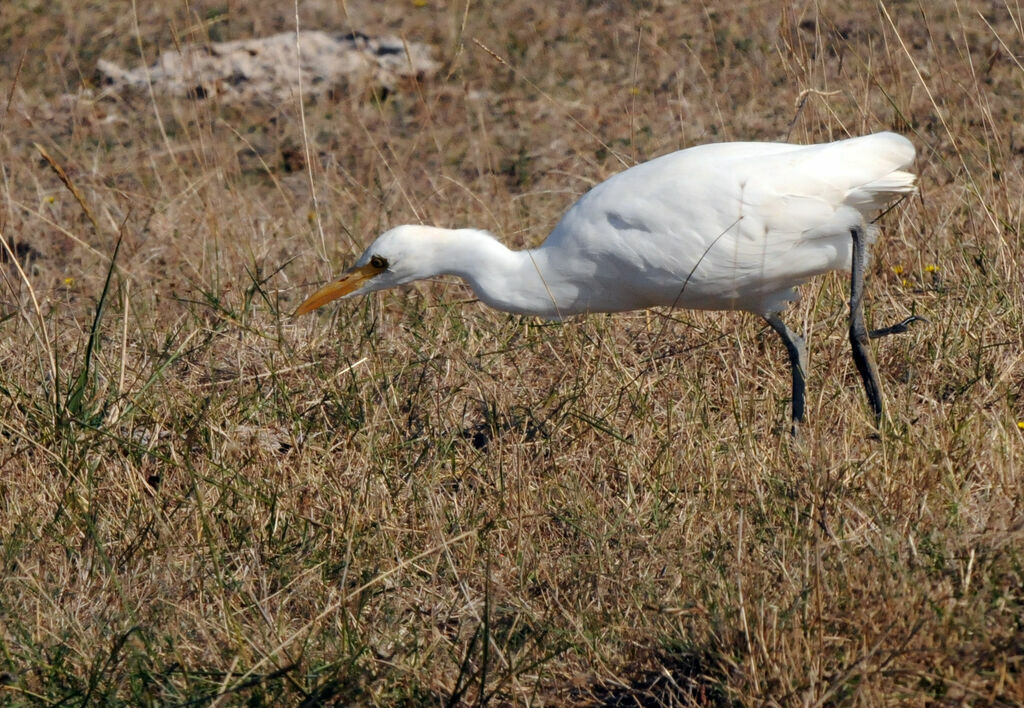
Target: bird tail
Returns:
[884, 154]
[879, 192]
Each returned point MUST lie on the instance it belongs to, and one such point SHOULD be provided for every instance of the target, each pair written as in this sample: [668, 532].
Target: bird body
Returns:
[727, 226]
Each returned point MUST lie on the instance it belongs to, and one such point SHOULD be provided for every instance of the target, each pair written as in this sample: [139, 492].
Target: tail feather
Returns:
[880, 192]
[884, 154]
[898, 182]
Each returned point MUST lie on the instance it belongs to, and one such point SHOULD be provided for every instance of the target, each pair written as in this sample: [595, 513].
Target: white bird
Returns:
[727, 226]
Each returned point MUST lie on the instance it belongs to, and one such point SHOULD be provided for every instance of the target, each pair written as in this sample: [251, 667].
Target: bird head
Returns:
[395, 258]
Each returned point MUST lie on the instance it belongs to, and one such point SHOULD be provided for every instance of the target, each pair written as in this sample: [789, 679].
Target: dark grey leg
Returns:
[797, 351]
[858, 332]
[898, 328]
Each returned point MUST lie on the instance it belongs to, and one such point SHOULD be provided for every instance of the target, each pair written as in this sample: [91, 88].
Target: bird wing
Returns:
[797, 208]
[727, 225]
[800, 190]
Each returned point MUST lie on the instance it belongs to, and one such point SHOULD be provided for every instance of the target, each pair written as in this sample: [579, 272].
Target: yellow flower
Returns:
[69, 281]
[930, 268]
[1020, 424]
[635, 91]
[897, 269]
[419, 3]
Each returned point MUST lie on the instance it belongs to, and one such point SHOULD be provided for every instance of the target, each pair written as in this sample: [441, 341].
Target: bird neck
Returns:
[502, 278]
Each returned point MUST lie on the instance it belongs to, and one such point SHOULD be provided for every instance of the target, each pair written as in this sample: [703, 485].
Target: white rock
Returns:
[269, 67]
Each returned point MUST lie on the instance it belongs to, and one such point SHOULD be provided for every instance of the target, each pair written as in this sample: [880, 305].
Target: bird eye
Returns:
[379, 262]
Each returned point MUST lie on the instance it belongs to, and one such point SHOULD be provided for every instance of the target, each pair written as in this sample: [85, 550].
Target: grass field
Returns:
[411, 499]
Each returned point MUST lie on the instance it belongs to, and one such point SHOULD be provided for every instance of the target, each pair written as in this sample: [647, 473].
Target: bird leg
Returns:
[858, 331]
[797, 351]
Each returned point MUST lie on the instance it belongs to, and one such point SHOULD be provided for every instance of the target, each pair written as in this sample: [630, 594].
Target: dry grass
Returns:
[414, 500]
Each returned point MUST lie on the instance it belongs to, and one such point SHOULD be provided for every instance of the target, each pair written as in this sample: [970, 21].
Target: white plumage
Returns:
[728, 226]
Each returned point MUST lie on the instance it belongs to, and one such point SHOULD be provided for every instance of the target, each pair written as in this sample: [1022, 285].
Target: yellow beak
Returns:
[348, 283]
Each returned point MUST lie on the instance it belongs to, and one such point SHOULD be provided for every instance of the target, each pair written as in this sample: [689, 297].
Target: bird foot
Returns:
[897, 328]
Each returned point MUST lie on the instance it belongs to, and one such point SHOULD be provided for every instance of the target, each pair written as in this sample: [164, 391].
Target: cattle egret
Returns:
[727, 226]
